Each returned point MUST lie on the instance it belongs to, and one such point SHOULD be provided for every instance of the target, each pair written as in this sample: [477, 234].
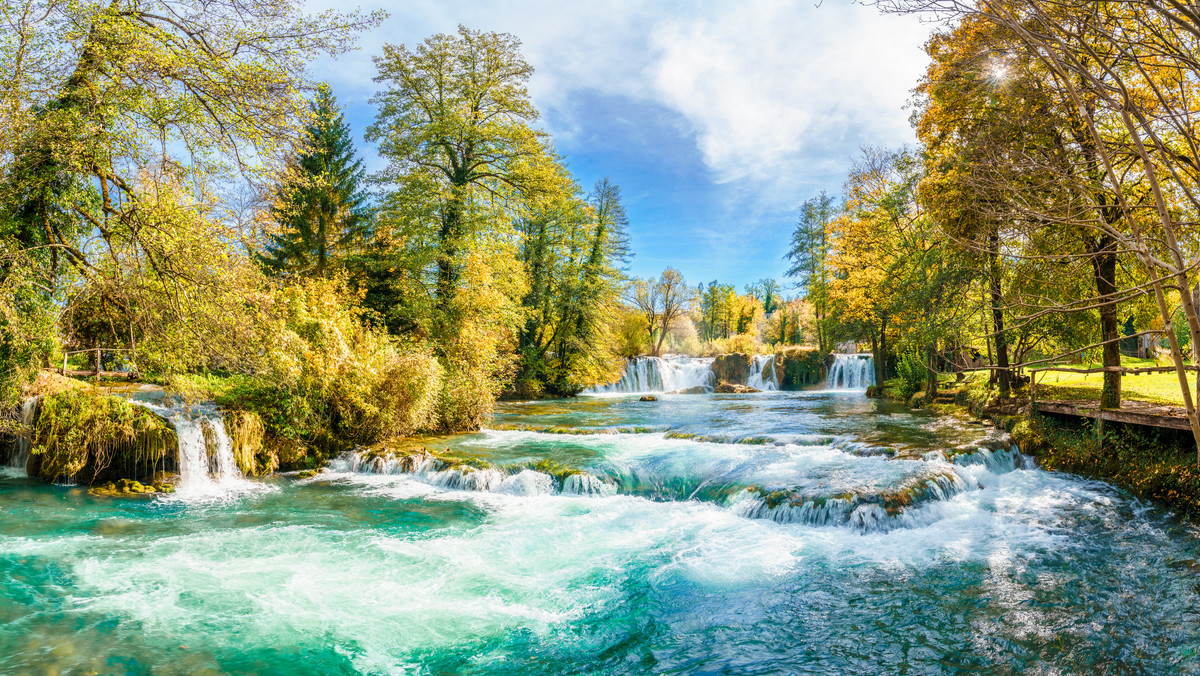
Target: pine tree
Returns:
[321, 207]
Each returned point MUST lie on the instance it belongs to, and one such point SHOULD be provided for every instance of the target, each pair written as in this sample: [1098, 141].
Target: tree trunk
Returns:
[875, 356]
[1105, 264]
[931, 374]
[820, 331]
[998, 313]
[449, 237]
[880, 350]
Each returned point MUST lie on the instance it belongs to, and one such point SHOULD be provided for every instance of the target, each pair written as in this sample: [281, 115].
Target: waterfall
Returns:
[762, 373]
[658, 374]
[18, 456]
[851, 372]
[205, 452]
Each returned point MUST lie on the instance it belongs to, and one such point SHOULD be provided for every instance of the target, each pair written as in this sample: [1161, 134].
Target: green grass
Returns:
[1154, 388]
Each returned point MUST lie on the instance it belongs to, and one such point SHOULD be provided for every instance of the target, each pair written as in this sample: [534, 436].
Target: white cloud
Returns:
[777, 95]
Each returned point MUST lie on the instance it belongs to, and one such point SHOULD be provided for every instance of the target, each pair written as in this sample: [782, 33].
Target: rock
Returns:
[796, 367]
[732, 368]
[699, 389]
[724, 387]
[127, 488]
[648, 397]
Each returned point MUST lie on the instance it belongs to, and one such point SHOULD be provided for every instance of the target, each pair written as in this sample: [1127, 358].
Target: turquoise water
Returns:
[674, 565]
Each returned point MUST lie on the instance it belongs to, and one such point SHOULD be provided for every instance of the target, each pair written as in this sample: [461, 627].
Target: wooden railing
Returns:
[1123, 370]
[97, 369]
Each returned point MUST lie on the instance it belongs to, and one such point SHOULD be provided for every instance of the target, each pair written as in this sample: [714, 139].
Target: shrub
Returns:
[911, 372]
[83, 435]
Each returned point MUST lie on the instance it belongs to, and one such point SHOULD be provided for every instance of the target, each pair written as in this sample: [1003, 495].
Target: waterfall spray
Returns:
[851, 372]
[19, 453]
[206, 457]
[658, 374]
[762, 373]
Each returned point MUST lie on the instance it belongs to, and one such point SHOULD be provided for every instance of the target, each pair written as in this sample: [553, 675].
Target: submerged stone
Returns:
[733, 388]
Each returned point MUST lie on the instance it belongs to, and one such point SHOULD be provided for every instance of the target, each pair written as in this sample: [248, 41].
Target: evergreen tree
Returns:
[808, 254]
[572, 251]
[321, 207]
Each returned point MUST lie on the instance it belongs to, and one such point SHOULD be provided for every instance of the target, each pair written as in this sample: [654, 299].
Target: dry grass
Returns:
[1154, 388]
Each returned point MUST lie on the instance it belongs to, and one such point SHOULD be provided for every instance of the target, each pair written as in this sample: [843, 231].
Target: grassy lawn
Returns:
[1156, 388]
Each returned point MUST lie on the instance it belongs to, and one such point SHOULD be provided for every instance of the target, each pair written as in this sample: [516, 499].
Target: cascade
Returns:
[18, 456]
[762, 373]
[851, 372]
[659, 374]
[205, 451]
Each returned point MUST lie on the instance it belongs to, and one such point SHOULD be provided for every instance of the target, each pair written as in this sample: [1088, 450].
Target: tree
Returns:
[662, 302]
[1127, 72]
[454, 124]
[1009, 162]
[106, 103]
[321, 207]
[464, 166]
[572, 250]
[809, 253]
[766, 290]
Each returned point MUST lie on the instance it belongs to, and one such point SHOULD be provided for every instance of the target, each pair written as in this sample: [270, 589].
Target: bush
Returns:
[328, 372]
[743, 343]
[84, 436]
[911, 373]
[1152, 462]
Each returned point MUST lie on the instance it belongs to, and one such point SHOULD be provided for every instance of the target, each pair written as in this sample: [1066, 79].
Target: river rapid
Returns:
[782, 532]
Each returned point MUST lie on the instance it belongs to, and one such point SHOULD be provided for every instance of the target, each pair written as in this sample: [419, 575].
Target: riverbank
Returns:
[1153, 463]
[844, 534]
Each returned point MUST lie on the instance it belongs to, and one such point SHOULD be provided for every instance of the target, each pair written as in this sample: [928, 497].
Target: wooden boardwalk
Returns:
[1131, 412]
[77, 373]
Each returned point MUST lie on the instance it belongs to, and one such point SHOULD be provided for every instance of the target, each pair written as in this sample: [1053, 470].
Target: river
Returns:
[783, 532]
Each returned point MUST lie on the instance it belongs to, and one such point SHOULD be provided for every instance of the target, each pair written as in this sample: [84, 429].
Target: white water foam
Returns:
[762, 373]
[18, 457]
[851, 372]
[645, 375]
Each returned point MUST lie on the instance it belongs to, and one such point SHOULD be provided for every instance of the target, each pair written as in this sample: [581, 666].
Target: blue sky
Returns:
[717, 119]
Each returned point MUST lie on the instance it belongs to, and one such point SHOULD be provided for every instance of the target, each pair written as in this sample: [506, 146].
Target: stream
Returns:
[781, 532]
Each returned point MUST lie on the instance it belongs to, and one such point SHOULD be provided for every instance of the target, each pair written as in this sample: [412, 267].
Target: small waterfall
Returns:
[428, 469]
[205, 453]
[18, 456]
[762, 373]
[657, 374]
[851, 372]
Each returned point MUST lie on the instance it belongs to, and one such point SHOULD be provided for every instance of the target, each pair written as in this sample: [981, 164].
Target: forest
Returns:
[344, 342]
[178, 193]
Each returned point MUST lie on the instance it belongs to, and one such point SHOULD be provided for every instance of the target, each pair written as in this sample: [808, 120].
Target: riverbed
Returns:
[782, 532]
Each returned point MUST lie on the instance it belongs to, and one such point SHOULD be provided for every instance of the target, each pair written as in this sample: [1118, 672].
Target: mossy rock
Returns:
[91, 437]
[128, 488]
[798, 367]
[732, 368]
[724, 387]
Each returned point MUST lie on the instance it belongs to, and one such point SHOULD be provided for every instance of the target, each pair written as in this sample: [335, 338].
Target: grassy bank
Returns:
[1150, 462]
[1155, 388]
[1153, 463]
